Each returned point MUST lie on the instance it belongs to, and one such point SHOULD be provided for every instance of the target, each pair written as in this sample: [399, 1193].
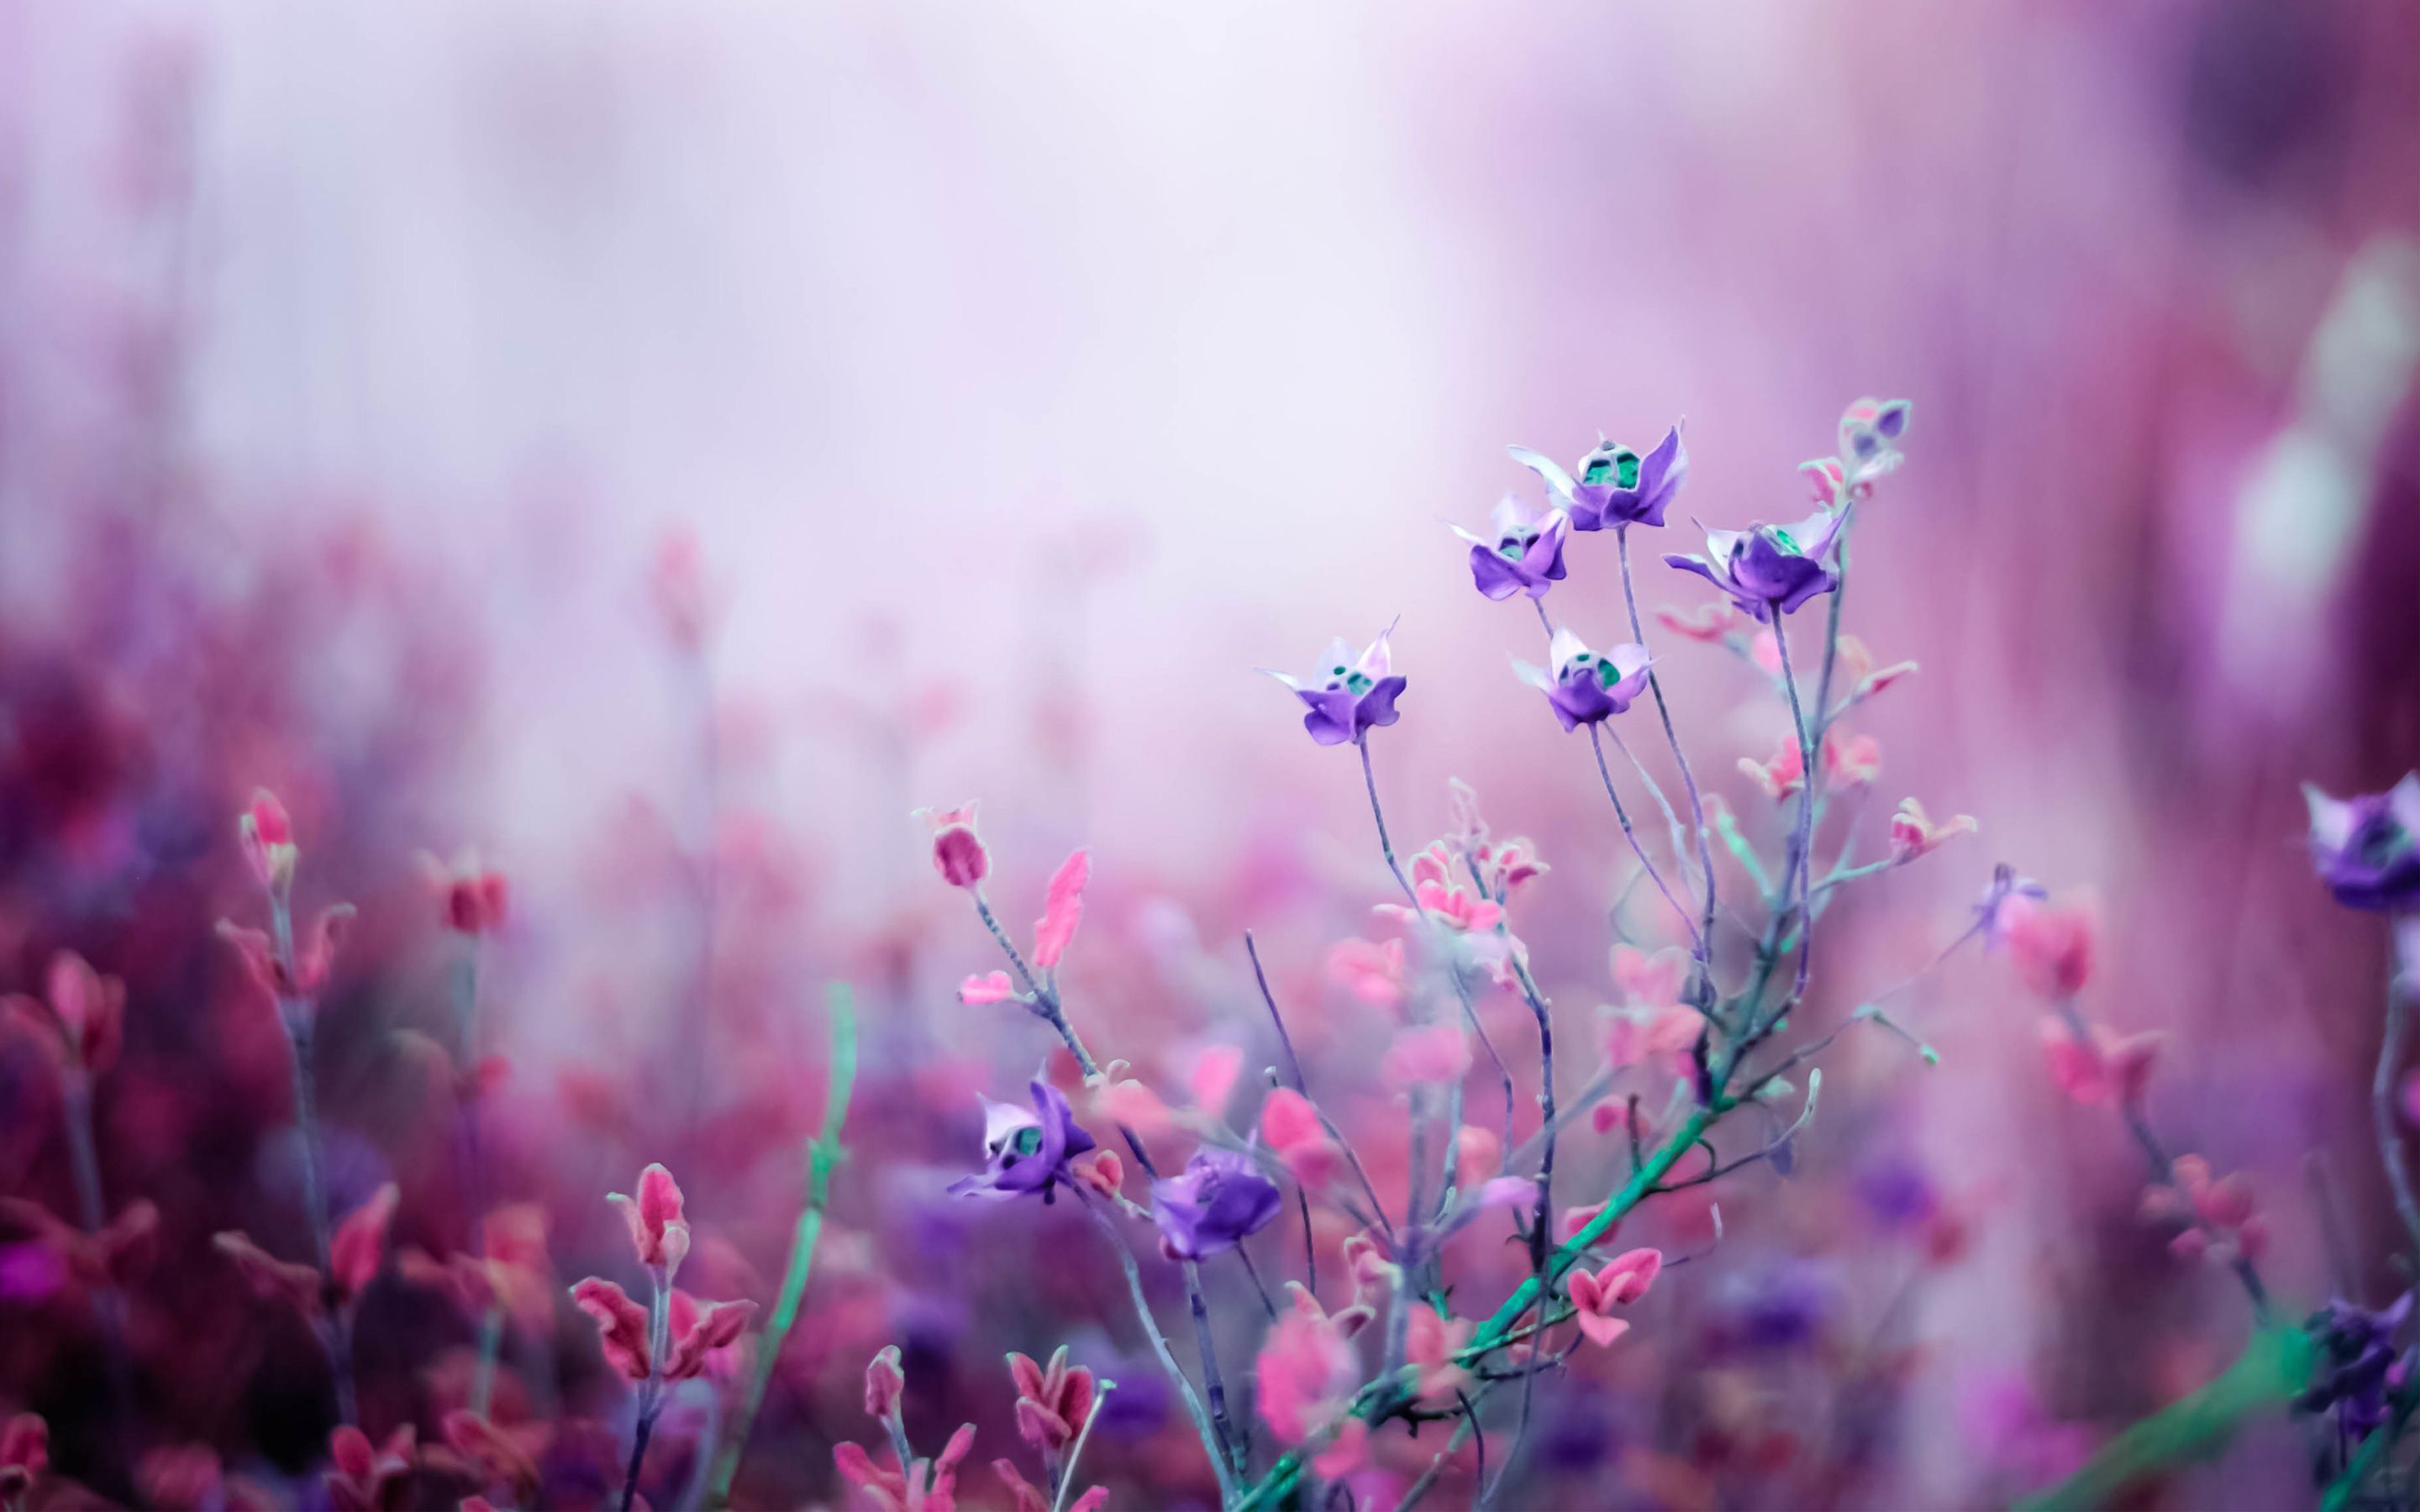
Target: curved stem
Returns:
[1386, 846]
[1671, 736]
[1167, 1357]
[2389, 1060]
[1687, 921]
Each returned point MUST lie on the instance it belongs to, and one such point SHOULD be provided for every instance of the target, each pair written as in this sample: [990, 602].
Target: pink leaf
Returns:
[995, 987]
[1062, 909]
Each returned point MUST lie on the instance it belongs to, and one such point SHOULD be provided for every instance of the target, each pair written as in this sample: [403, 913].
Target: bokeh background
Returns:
[663, 444]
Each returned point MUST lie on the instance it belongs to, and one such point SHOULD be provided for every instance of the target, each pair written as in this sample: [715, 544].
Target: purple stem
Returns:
[1605, 772]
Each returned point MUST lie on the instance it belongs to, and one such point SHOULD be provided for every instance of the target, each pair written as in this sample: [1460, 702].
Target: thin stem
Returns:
[1386, 846]
[1101, 1389]
[1268, 1304]
[1802, 847]
[1212, 1382]
[823, 1154]
[2389, 1060]
[1167, 1358]
[646, 1428]
[1671, 737]
[1621, 813]
[1045, 997]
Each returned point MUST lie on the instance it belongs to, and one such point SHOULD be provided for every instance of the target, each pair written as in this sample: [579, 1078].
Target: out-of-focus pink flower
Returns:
[1610, 1115]
[1431, 1344]
[958, 853]
[358, 1251]
[1213, 1076]
[1851, 763]
[1633, 1036]
[268, 838]
[2051, 944]
[927, 1486]
[2220, 1214]
[497, 1453]
[299, 1286]
[471, 898]
[676, 586]
[1913, 833]
[1374, 1275]
[1062, 909]
[1478, 1154]
[25, 1453]
[1026, 1497]
[1372, 971]
[1101, 1171]
[1783, 773]
[1708, 623]
[1457, 907]
[369, 1477]
[119, 1254]
[1875, 681]
[82, 1023]
[1650, 981]
[315, 953]
[1306, 1374]
[1618, 1283]
[1568, 1226]
[1346, 1321]
[1120, 1099]
[1438, 1053]
[658, 1231]
[992, 988]
[1505, 864]
[2103, 1070]
[1292, 1127]
[1053, 1401]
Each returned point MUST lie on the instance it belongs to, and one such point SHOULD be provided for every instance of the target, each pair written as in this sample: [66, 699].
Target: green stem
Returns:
[822, 1155]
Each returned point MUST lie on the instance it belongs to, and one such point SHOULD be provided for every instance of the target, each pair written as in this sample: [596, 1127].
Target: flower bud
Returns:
[884, 1382]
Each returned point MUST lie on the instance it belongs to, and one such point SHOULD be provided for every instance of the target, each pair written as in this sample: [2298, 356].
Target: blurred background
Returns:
[662, 445]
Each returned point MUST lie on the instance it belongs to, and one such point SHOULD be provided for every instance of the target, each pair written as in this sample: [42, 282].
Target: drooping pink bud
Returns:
[268, 838]
[884, 1382]
[359, 1249]
[958, 853]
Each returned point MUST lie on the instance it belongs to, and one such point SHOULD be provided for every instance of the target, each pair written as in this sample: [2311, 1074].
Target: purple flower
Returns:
[1616, 487]
[1583, 686]
[1348, 695]
[1870, 433]
[1524, 556]
[1029, 1151]
[1768, 565]
[2357, 1361]
[1221, 1198]
[2367, 846]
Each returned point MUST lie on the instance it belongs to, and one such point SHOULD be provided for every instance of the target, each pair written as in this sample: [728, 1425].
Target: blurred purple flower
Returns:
[1897, 1193]
[1221, 1198]
[2358, 1362]
[1348, 695]
[1029, 1151]
[2367, 847]
[1768, 565]
[1524, 553]
[1583, 686]
[1616, 486]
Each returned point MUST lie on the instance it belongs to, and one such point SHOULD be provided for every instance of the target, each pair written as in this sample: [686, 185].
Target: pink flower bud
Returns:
[958, 853]
[884, 1382]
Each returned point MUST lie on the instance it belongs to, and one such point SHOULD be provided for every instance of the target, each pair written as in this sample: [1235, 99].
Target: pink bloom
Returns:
[701, 1333]
[2104, 1070]
[958, 853]
[1439, 1053]
[1431, 1343]
[1873, 683]
[1478, 1153]
[1374, 1275]
[1102, 1172]
[1650, 981]
[1913, 833]
[2051, 944]
[1636, 1035]
[469, 898]
[1708, 623]
[1346, 1453]
[1292, 1127]
[927, 1486]
[1618, 1283]
[621, 1323]
[995, 987]
[315, 953]
[1306, 1374]
[1053, 1401]
[1783, 773]
[358, 1251]
[1062, 909]
[1373, 972]
[365, 1471]
[268, 838]
[657, 1231]
[1213, 1076]
[1574, 1219]
[1346, 1321]
[1853, 762]
[82, 1023]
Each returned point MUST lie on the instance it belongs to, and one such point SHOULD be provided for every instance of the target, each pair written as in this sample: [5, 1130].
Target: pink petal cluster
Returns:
[1618, 1283]
[2101, 1069]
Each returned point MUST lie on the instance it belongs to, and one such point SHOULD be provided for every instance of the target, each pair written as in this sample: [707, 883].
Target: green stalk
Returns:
[823, 1153]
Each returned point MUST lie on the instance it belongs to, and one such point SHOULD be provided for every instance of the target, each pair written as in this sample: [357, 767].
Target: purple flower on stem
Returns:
[1524, 556]
[1768, 565]
[2367, 846]
[1221, 1198]
[1616, 487]
[1348, 695]
[1029, 1151]
[1584, 687]
[2358, 1363]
